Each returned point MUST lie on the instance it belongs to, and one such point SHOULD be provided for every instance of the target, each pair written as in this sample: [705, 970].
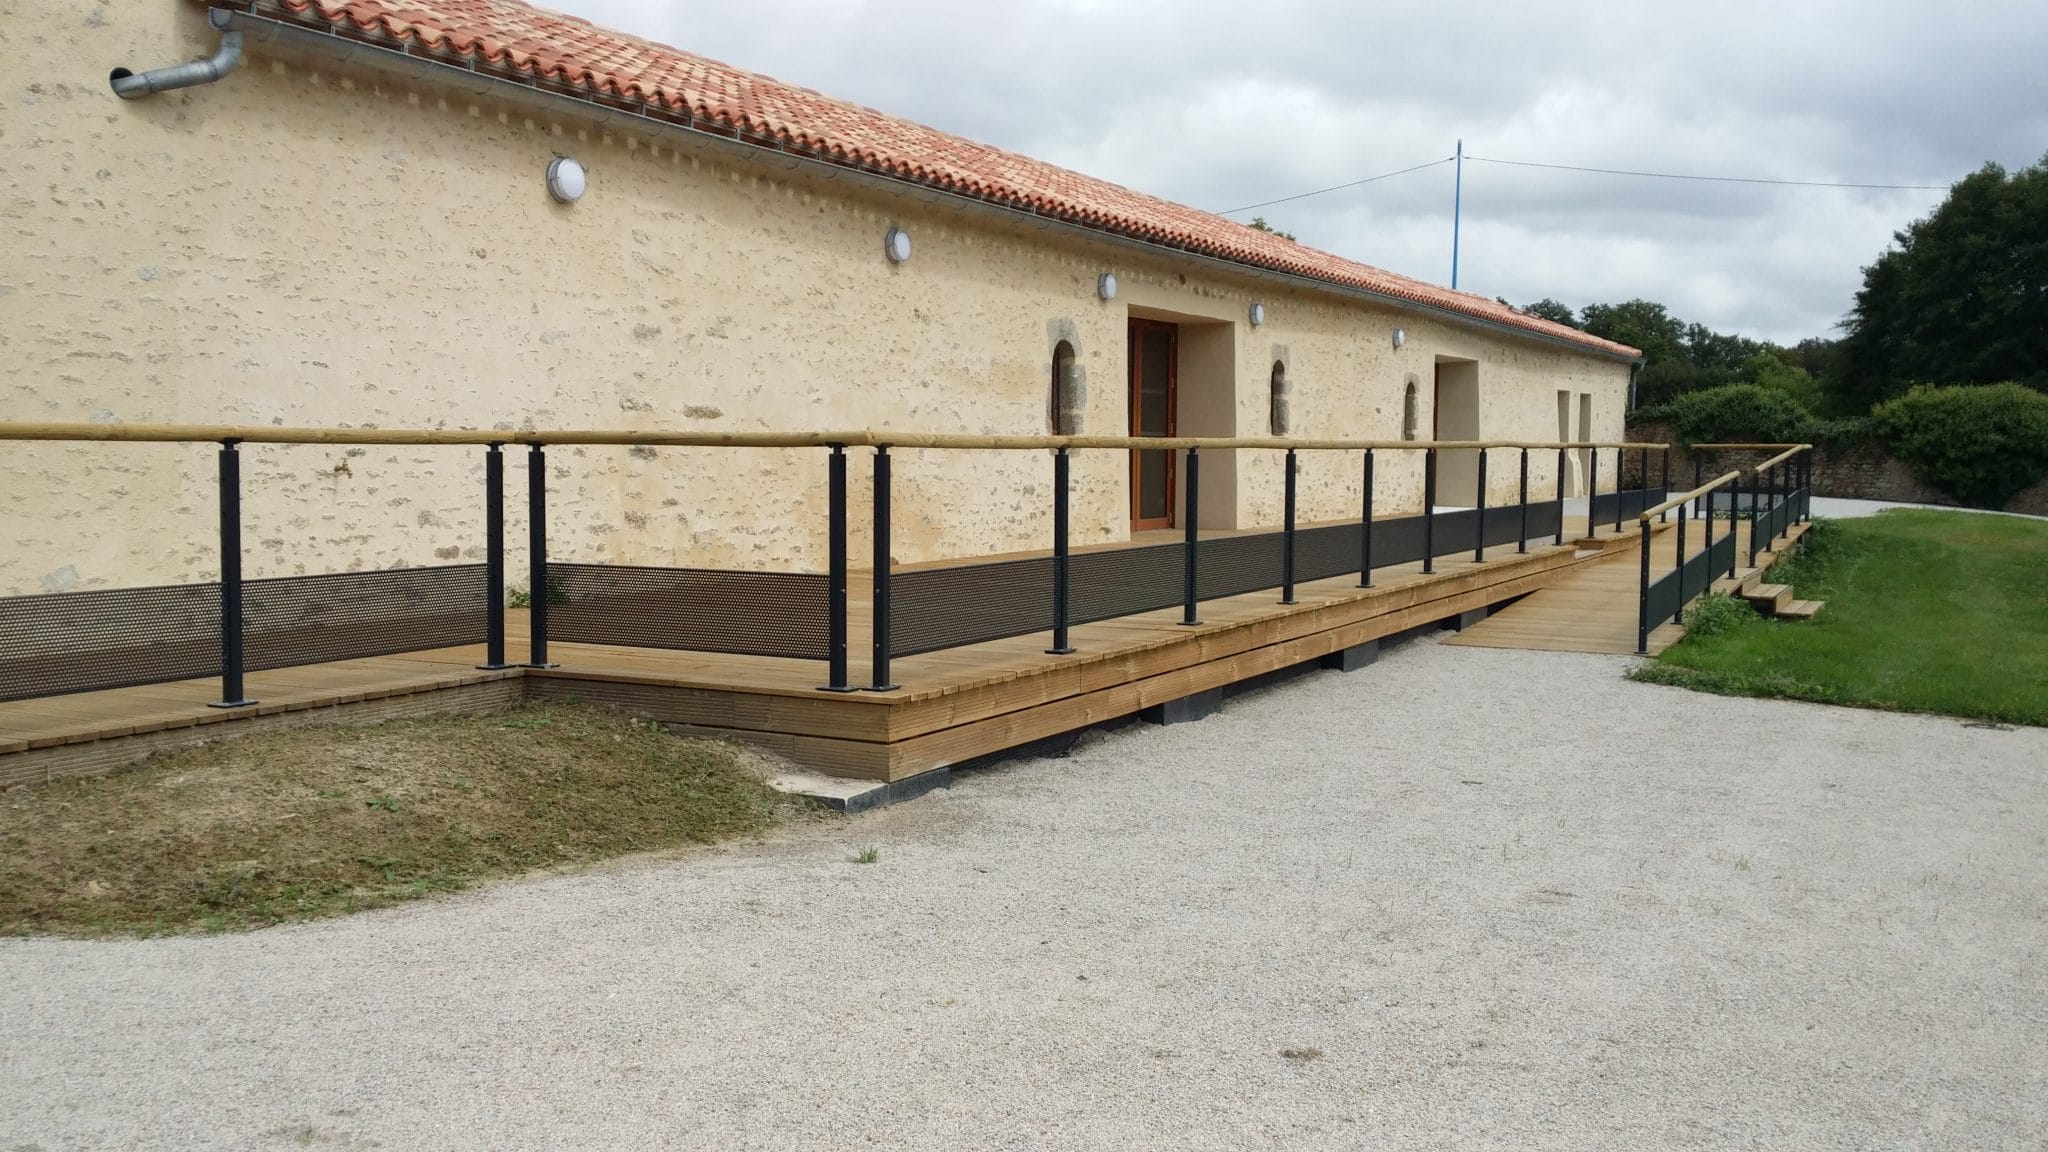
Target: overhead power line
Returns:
[1600, 172]
[1335, 187]
[1711, 179]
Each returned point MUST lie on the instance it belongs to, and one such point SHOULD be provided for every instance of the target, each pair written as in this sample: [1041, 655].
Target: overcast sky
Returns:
[1221, 104]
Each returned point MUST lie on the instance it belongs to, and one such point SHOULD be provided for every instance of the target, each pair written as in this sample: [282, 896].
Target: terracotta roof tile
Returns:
[606, 64]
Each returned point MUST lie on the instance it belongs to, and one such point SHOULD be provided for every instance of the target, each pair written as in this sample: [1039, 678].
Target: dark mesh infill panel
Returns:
[1327, 552]
[294, 620]
[1123, 582]
[934, 608]
[696, 609]
[1455, 532]
[1234, 565]
[1630, 503]
[115, 638]
[1665, 597]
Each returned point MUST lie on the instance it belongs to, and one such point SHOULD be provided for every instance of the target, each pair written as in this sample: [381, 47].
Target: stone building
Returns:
[354, 224]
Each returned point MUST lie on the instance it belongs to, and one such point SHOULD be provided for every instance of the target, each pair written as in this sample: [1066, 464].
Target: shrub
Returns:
[1740, 413]
[1715, 613]
[1981, 443]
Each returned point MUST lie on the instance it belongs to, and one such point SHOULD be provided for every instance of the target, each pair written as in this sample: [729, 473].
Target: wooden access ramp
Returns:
[1594, 608]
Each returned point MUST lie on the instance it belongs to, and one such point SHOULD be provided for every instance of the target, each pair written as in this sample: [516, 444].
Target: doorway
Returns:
[1155, 371]
[1455, 416]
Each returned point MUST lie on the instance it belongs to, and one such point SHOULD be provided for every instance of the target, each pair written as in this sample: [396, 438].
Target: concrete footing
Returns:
[1353, 658]
[1185, 709]
[846, 795]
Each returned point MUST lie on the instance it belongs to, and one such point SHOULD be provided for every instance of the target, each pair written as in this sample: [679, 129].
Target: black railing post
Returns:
[1664, 484]
[1428, 511]
[1061, 524]
[838, 677]
[1707, 528]
[1754, 523]
[879, 628]
[1562, 464]
[1522, 487]
[1287, 534]
[1678, 614]
[1365, 529]
[1592, 490]
[1697, 481]
[1479, 542]
[231, 690]
[1620, 466]
[494, 558]
[1734, 528]
[1193, 465]
[1643, 598]
[537, 556]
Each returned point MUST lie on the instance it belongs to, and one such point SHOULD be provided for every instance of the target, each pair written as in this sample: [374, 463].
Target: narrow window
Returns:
[1408, 416]
[1276, 416]
[1065, 398]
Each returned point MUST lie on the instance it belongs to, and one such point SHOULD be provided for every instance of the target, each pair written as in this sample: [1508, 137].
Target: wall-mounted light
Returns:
[897, 245]
[1105, 285]
[1400, 337]
[566, 180]
[1258, 315]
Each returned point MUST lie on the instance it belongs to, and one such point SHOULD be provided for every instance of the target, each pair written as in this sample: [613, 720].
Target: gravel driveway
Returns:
[1465, 898]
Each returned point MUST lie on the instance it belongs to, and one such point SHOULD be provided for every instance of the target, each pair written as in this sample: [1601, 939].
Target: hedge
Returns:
[1983, 444]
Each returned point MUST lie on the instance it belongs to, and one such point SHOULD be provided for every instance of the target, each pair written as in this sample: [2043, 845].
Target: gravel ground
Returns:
[1465, 898]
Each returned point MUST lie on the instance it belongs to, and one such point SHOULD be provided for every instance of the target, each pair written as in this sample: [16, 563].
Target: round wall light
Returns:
[566, 180]
[1400, 337]
[1258, 315]
[897, 245]
[1105, 285]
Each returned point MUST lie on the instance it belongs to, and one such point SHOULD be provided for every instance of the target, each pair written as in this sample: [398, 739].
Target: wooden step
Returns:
[1769, 599]
[1799, 609]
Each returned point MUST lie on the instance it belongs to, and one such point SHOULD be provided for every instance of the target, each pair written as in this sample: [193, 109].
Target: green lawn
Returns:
[1926, 612]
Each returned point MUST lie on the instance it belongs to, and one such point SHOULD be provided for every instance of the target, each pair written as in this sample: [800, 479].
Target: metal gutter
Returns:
[521, 87]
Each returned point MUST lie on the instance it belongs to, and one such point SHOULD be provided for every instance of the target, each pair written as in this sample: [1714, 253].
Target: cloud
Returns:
[1222, 104]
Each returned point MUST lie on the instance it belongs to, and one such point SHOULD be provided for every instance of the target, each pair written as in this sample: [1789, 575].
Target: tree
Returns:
[1771, 369]
[1960, 299]
[1259, 224]
[1553, 311]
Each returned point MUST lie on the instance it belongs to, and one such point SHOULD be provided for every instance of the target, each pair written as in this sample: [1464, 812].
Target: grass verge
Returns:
[324, 820]
[1943, 612]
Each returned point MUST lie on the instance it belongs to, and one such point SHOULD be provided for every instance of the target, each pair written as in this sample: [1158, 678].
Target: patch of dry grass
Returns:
[331, 819]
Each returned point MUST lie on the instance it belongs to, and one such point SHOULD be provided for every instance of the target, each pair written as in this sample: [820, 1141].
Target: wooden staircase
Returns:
[1774, 601]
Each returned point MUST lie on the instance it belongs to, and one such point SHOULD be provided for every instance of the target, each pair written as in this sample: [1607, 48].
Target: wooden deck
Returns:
[952, 706]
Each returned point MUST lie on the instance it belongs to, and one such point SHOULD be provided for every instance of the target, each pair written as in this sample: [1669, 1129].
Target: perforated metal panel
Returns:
[117, 638]
[696, 609]
[934, 608]
[113, 638]
[1629, 503]
[347, 615]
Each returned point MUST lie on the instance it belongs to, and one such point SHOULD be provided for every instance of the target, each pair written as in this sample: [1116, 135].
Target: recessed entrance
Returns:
[1155, 369]
[1455, 416]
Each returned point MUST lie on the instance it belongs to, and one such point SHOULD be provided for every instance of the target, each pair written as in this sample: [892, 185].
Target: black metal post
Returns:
[1697, 481]
[1620, 466]
[231, 691]
[1643, 600]
[537, 556]
[1734, 504]
[838, 678]
[1561, 465]
[1428, 511]
[1060, 527]
[1479, 543]
[879, 660]
[1193, 463]
[1754, 522]
[1287, 535]
[494, 558]
[1365, 529]
[1522, 487]
[1592, 490]
[1707, 527]
[1678, 614]
[1664, 484]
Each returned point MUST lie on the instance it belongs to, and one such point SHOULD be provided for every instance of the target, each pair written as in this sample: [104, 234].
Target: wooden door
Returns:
[1154, 368]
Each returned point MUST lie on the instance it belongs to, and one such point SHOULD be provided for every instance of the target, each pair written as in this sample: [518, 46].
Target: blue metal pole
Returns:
[1457, 210]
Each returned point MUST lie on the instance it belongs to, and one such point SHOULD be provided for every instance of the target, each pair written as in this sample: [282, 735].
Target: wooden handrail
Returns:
[1751, 447]
[1780, 458]
[1675, 501]
[870, 438]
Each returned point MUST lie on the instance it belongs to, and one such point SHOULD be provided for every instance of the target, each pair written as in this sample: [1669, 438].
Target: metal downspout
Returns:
[135, 85]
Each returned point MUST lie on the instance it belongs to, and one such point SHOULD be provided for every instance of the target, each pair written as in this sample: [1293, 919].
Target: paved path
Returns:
[1462, 899]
